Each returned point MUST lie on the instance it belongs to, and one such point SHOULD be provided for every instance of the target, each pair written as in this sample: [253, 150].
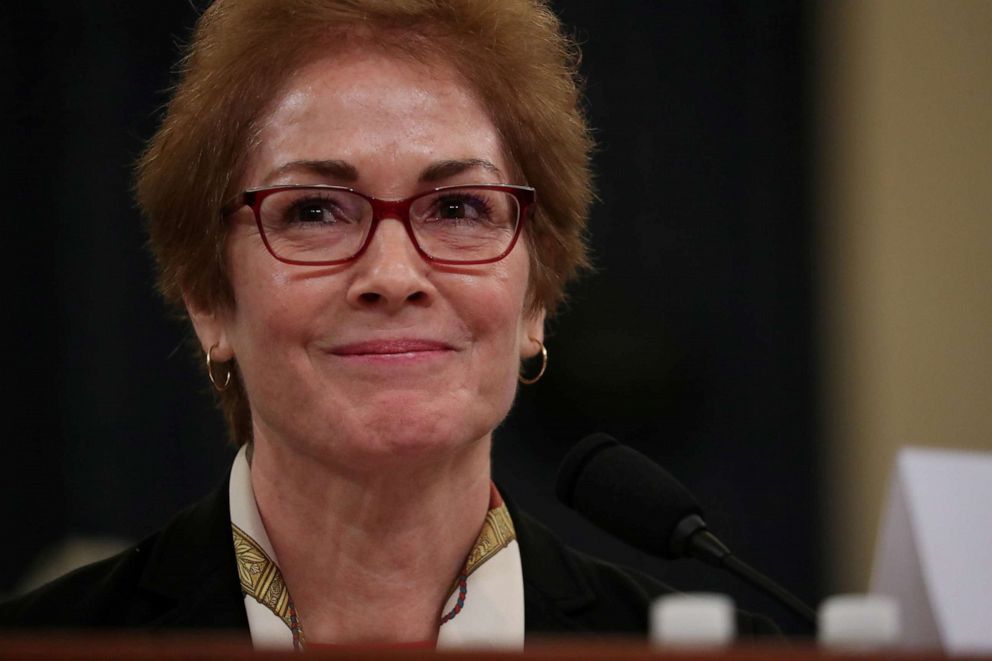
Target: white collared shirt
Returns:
[492, 615]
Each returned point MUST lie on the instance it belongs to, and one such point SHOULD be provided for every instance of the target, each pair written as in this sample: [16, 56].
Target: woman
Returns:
[367, 210]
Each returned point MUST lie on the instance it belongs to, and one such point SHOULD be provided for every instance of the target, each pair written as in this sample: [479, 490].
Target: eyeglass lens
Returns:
[319, 224]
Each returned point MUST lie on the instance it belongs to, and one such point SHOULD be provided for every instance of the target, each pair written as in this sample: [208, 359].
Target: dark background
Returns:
[693, 341]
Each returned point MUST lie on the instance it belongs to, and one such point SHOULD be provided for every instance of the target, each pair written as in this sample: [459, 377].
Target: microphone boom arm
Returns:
[752, 576]
[692, 538]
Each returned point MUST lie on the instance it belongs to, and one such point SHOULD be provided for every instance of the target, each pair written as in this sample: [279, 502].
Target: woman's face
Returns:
[387, 358]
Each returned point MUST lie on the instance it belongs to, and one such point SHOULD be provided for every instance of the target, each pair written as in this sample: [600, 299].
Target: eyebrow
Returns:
[445, 169]
[330, 169]
[345, 172]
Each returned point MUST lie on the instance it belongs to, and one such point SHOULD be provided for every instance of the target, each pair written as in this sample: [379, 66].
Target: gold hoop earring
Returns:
[544, 365]
[210, 372]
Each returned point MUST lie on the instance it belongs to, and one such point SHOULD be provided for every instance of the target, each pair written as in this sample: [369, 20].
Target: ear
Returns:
[532, 334]
[211, 330]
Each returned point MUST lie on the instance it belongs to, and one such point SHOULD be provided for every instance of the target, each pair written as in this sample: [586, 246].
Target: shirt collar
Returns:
[491, 615]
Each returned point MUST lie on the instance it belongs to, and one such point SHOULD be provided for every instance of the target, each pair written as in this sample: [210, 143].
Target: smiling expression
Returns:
[386, 357]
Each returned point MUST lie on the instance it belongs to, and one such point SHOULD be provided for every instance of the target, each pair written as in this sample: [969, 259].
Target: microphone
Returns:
[625, 493]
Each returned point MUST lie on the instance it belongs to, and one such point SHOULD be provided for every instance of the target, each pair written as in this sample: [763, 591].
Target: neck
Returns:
[370, 556]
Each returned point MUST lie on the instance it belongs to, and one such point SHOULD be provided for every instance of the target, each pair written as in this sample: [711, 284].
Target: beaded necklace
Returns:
[457, 608]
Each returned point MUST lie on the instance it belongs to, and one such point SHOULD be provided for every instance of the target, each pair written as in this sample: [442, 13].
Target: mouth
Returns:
[389, 348]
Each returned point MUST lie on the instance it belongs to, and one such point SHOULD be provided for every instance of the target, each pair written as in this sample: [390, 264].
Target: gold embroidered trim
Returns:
[497, 532]
[260, 577]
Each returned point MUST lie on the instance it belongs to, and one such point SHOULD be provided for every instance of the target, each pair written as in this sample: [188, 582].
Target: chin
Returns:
[425, 438]
[413, 421]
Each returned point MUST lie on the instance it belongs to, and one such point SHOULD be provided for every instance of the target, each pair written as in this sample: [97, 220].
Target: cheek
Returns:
[274, 307]
[498, 305]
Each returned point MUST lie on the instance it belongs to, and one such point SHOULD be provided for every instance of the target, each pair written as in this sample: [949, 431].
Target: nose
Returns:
[391, 274]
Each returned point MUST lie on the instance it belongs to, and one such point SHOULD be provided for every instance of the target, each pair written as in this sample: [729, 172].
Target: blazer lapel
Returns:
[554, 590]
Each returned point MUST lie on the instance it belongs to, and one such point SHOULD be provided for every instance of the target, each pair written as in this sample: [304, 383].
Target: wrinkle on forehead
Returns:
[388, 107]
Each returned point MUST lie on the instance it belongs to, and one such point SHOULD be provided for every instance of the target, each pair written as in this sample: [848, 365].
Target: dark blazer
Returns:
[185, 577]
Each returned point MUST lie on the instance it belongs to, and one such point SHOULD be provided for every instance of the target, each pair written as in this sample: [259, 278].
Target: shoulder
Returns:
[85, 597]
[567, 591]
[181, 576]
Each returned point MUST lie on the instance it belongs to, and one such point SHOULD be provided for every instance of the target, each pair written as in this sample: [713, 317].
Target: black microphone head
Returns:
[625, 493]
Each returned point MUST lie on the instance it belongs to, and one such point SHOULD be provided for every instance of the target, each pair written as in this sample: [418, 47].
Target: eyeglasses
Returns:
[326, 225]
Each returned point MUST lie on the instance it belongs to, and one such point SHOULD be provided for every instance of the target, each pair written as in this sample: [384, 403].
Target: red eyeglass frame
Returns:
[398, 209]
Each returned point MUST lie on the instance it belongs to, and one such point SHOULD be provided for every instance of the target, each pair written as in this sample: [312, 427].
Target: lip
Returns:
[390, 347]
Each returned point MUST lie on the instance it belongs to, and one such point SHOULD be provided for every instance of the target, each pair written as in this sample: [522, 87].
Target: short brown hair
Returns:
[512, 53]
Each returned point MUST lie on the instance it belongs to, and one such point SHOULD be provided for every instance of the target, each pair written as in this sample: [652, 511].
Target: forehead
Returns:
[376, 111]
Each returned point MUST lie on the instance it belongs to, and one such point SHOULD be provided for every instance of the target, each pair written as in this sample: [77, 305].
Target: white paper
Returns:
[935, 549]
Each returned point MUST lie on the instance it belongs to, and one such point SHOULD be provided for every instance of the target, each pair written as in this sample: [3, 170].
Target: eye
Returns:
[315, 210]
[464, 207]
[309, 208]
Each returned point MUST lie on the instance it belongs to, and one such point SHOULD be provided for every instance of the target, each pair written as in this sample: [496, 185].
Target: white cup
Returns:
[693, 620]
[858, 621]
